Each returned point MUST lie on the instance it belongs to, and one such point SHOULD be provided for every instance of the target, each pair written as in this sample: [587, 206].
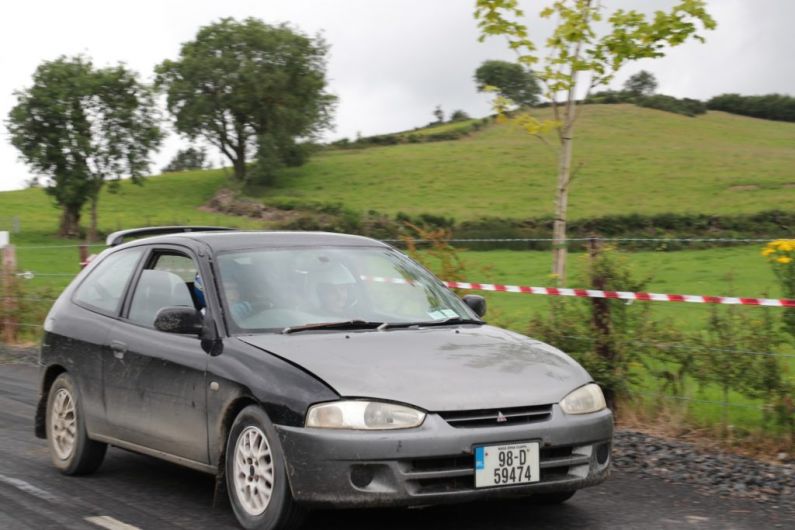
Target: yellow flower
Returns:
[768, 251]
[784, 244]
[784, 260]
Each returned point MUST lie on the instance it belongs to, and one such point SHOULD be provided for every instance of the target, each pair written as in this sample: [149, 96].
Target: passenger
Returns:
[240, 308]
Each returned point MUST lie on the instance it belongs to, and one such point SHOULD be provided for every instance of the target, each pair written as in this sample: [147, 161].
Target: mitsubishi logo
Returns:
[501, 418]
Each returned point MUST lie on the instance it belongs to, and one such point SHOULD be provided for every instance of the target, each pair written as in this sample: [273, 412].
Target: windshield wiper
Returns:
[446, 321]
[345, 324]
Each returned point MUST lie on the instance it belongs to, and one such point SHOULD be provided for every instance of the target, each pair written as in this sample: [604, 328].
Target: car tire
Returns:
[256, 474]
[559, 497]
[71, 450]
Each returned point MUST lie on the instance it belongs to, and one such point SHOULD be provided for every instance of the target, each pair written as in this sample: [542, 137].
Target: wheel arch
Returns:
[231, 412]
[47, 379]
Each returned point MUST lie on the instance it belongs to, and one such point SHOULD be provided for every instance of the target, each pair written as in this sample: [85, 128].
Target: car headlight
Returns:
[363, 415]
[588, 398]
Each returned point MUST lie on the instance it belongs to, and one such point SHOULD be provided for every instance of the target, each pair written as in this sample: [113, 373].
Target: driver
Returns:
[335, 289]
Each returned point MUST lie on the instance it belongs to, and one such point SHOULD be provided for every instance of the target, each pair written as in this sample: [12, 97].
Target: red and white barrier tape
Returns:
[618, 295]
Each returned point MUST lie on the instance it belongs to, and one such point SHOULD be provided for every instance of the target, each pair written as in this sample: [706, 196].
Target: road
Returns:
[133, 491]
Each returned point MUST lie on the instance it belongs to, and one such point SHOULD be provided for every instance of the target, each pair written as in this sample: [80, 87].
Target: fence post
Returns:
[9, 278]
[83, 250]
[600, 315]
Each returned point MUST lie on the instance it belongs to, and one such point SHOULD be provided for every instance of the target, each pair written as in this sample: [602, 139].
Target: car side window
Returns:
[167, 282]
[103, 289]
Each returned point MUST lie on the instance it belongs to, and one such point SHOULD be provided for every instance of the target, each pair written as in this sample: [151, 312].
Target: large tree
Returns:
[78, 127]
[250, 89]
[584, 51]
[511, 80]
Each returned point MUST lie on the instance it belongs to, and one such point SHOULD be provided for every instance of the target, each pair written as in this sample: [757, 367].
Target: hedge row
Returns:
[770, 224]
[769, 107]
[413, 137]
[685, 106]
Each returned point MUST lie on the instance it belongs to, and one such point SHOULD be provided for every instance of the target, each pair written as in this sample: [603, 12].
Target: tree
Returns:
[185, 159]
[438, 113]
[249, 88]
[641, 84]
[512, 81]
[580, 60]
[459, 115]
[79, 126]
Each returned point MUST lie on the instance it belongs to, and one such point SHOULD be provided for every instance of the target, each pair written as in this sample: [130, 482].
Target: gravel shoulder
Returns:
[710, 472]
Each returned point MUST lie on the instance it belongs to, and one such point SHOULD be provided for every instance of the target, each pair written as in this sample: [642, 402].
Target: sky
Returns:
[391, 61]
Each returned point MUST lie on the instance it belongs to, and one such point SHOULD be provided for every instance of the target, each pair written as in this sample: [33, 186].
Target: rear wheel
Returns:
[256, 476]
[71, 450]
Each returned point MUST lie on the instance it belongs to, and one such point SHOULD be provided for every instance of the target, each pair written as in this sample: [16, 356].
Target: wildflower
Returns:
[784, 260]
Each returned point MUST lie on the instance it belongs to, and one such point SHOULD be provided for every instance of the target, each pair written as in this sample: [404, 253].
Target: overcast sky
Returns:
[391, 61]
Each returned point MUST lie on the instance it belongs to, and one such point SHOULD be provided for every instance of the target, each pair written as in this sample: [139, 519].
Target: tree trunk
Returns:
[92, 230]
[239, 162]
[70, 221]
[564, 166]
[561, 206]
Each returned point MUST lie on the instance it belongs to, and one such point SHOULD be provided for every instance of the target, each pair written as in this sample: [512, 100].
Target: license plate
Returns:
[507, 464]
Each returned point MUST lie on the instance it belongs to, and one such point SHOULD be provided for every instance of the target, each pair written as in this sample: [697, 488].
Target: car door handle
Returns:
[119, 348]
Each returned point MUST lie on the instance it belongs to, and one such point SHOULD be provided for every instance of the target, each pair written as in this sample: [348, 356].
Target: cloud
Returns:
[391, 61]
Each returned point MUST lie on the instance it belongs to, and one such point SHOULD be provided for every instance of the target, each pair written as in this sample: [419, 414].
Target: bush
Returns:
[607, 97]
[608, 337]
[769, 107]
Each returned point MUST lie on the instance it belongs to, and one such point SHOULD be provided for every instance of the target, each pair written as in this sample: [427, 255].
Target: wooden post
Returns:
[600, 316]
[83, 249]
[9, 278]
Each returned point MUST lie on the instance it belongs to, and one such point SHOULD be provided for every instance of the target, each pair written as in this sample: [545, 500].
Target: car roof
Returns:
[239, 240]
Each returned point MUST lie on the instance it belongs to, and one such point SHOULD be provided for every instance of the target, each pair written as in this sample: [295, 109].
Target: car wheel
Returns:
[558, 497]
[256, 476]
[71, 450]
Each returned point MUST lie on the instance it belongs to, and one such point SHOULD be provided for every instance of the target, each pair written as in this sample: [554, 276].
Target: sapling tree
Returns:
[585, 51]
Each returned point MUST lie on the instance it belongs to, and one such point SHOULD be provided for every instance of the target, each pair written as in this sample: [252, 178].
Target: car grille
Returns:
[457, 473]
[497, 417]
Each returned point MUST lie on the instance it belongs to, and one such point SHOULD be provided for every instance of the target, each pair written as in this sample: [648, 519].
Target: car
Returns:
[309, 370]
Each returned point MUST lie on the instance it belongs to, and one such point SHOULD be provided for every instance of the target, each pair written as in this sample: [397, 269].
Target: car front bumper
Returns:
[434, 463]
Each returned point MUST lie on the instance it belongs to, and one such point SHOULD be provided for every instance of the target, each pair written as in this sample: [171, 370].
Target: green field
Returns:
[684, 272]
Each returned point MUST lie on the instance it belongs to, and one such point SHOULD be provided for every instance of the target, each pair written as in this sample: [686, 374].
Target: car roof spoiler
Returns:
[117, 238]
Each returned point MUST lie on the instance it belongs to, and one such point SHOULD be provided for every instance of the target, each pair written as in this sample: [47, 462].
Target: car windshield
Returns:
[279, 289]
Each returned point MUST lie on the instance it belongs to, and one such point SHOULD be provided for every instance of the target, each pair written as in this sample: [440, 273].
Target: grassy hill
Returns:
[634, 161]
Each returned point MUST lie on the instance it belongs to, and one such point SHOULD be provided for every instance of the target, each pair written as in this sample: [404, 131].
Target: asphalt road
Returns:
[133, 491]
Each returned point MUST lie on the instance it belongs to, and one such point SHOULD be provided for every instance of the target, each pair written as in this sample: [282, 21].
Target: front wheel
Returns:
[256, 476]
[71, 450]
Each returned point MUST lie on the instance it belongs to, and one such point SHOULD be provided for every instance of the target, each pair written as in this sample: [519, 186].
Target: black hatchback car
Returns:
[309, 370]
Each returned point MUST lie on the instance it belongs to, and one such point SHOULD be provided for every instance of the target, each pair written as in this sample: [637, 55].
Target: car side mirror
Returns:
[184, 320]
[476, 303]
